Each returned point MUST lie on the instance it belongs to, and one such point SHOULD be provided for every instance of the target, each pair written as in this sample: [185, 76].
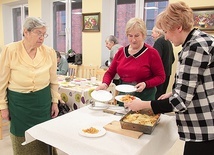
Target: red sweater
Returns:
[144, 66]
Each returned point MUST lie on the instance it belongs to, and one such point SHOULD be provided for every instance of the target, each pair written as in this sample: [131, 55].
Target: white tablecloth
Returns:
[63, 133]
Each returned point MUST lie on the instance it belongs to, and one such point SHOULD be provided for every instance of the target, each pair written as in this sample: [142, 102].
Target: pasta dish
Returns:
[91, 130]
[142, 119]
[127, 98]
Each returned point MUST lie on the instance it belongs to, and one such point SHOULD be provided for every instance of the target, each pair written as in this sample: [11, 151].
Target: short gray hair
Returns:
[160, 31]
[112, 38]
[33, 23]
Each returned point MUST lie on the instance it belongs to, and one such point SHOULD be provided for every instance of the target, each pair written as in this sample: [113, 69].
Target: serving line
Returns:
[63, 133]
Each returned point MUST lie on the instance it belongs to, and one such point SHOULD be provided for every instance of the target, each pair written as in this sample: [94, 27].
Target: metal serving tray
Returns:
[138, 127]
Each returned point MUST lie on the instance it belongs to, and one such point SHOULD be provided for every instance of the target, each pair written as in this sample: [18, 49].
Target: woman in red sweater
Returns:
[138, 63]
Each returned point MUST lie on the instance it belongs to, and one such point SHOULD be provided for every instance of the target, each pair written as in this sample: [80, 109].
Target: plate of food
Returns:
[71, 85]
[92, 131]
[64, 84]
[101, 95]
[79, 79]
[125, 98]
[125, 88]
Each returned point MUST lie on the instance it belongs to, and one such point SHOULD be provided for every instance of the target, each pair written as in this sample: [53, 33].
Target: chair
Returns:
[2, 124]
[99, 74]
[88, 71]
[72, 71]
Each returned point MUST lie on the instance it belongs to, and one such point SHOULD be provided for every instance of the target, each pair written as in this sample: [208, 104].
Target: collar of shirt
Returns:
[188, 37]
[143, 49]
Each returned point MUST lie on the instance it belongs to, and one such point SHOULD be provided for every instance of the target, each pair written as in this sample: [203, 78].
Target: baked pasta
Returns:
[91, 130]
[142, 119]
[127, 98]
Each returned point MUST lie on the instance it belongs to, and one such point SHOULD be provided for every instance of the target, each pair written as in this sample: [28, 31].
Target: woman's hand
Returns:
[61, 101]
[5, 114]
[103, 86]
[137, 105]
[140, 86]
[54, 110]
[164, 96]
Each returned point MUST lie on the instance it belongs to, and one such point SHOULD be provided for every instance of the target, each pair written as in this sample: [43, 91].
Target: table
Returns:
[77, 95]
[63, 133]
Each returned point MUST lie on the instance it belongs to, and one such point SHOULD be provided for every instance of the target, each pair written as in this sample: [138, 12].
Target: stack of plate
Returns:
[100, 97]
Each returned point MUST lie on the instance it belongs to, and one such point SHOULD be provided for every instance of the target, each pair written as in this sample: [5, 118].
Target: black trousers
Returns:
[199, 148]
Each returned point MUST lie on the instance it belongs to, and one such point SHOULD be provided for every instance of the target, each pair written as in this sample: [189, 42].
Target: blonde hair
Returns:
[136, 24]
[176, 15]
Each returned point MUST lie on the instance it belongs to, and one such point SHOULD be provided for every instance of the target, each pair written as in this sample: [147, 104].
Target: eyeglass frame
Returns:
[40, 34]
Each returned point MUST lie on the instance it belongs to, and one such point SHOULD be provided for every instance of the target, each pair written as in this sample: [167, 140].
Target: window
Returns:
[152, 9]
[19, 14]
[125, 9]
[76, 27]
[66, 26]
[59, 26]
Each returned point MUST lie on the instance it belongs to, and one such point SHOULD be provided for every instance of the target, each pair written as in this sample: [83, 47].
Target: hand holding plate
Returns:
[140, 86]
[101, 95]
[126, 88]
[137, 105]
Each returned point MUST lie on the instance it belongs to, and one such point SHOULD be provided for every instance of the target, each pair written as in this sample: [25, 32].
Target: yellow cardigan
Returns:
[20, 73]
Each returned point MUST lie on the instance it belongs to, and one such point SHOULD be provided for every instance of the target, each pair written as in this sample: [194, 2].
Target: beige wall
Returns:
[35, 8]
[91, 41]
[1, 19]
[196, 3]
[1, 27]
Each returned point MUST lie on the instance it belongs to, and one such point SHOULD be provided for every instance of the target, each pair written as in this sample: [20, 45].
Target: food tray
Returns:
[138, 127]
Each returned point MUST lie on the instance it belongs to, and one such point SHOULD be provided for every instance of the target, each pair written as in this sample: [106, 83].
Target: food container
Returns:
[147, 129]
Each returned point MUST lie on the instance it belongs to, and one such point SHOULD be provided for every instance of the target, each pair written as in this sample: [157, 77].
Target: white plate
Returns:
[119, 97]
[125, 88]
[71, 85]
[101, 95]
[78, 81]
[63, 84]
[101, 132]
[99, 106]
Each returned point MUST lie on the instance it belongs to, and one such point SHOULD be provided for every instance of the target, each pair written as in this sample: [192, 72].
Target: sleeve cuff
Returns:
[161, 106]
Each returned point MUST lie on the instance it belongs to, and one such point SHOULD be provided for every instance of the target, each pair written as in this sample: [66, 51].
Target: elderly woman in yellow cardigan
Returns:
[28, 85]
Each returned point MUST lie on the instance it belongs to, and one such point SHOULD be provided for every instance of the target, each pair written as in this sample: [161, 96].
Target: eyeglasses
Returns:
[41, 34]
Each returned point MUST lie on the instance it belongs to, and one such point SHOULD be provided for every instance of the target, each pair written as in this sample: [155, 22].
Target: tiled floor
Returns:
[6, 148]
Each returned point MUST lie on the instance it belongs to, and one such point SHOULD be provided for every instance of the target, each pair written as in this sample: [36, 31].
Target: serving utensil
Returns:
[113, 112]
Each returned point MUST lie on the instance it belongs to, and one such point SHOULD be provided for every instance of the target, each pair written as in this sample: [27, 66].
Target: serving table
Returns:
[77, 95]
[63, 133]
